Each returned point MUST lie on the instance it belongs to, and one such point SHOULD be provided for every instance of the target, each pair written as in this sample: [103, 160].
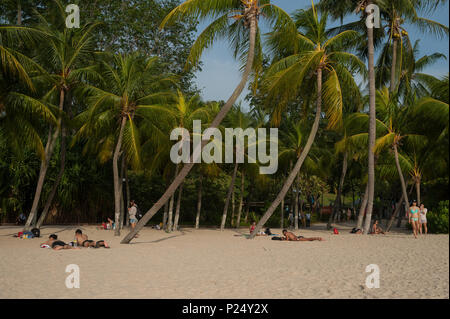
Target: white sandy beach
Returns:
[212, 264]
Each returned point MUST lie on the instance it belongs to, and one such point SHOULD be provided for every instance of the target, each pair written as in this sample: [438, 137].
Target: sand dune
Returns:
[214, 264]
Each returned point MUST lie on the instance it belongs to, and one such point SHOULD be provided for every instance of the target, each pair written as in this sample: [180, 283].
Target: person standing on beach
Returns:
[414, 217]
[132, 211]
[423, 219]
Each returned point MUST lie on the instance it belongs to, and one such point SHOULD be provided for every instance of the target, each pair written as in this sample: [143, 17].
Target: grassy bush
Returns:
[438, 220]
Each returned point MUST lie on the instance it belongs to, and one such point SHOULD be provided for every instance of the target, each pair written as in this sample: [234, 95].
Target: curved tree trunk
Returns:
[199, 202]
[233, 210]
[241, 200]
[219, 118]
[227, 202]
[337, 201]
[394, 214]
[171, 203]
[394, 66]
[362, 209]
[299, 164]
[402, 179]
[117, 181]
[122, 201]
[58, 179]
[372, 130]
[166, 211]
[127, 185]
[177, 211]
[295, 196]
[49, 148]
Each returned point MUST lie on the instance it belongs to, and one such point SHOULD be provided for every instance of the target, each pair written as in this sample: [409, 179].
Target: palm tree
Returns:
[63, 55]
[238, 21]
[185, 112]
[132, 86]
[323, 58]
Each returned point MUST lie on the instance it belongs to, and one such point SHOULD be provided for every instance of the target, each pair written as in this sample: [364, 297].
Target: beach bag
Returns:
[138, 213]
[36, 232]
[335, 231]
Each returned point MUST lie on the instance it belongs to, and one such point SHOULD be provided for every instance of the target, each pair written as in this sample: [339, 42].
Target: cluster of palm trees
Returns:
[320, 85]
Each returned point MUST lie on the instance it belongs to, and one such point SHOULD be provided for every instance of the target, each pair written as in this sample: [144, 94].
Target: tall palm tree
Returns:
[323, 58]
[236, 20]
[63, 55]
[133, 87]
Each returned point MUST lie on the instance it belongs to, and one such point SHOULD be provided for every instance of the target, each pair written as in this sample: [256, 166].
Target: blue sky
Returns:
[221, 73]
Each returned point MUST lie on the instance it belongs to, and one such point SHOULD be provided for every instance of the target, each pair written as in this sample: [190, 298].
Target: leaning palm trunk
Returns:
[199, 203]
[372, 130]
[177, 211]
[57, 181]
[49, 148]
[241, 201]
[402, 179]
[299, 164]
[117, 182]
[219, 118]
[337, 202]
[227, 202]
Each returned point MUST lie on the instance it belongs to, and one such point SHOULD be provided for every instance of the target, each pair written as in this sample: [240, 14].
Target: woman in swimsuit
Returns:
[423, 219]
[414, 217]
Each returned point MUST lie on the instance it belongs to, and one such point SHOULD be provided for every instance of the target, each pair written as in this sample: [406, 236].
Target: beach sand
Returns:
[208, 263]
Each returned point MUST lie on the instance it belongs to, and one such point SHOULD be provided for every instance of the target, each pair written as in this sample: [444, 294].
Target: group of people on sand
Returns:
[81, 240]
[287, 235]
[417, 217]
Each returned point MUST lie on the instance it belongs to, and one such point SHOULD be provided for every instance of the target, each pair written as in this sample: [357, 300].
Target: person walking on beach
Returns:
[132, 211]
[423, 219]
[414, 217]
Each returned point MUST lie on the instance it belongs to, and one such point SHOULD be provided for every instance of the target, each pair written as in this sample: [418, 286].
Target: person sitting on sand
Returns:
[288, 236]
[376, 230]
[84, 241]
[252, 229]
[56, 244]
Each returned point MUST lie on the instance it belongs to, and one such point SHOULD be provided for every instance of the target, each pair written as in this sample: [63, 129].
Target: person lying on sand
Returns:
[84, 241]
[288, 236]
[376, 230]
[56, 244]
[356, 231]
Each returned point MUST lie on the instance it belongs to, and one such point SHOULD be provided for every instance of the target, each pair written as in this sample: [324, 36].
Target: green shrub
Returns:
[438, 220]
